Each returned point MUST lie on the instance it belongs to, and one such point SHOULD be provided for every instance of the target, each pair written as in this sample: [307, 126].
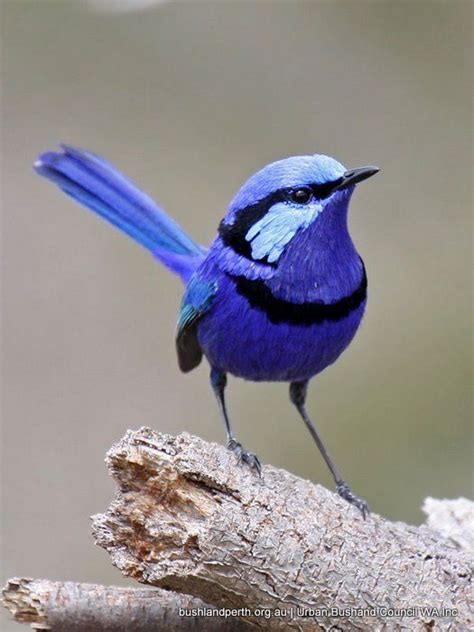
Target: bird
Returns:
[279, 294]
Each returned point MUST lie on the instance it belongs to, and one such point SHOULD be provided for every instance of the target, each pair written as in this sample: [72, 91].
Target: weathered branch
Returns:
[75, 607]
[452, 519]
[187, 518]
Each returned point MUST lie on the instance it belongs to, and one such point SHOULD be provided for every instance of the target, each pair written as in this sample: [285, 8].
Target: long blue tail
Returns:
[98, 185]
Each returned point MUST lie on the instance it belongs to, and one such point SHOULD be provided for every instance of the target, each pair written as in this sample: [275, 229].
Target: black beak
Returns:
[353, 176]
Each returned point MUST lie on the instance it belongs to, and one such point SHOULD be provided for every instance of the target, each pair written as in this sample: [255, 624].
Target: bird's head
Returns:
[285, 198]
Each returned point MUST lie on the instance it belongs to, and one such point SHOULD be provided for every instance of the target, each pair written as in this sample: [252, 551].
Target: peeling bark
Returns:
[75, 607]
[187, 518]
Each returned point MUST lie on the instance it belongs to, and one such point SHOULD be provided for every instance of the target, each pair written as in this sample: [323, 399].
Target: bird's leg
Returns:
[219, 382]
[298, 398]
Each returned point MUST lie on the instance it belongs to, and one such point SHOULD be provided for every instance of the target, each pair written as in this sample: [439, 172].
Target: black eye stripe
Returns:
[233, 235]
[321, 191]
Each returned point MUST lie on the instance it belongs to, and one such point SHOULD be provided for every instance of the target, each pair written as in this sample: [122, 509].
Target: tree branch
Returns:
[187, 518]
[452, 519]
[75, 607]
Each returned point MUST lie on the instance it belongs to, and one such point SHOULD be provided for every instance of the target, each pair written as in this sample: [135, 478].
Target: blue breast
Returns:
[239, 338]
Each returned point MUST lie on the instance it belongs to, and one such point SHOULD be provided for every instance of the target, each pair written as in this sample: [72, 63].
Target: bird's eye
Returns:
[301, 196]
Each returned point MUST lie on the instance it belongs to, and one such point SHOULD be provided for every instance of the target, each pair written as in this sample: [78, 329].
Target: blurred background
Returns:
[190, 98]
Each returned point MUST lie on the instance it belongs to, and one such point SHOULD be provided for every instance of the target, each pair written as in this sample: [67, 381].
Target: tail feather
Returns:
[98, 185]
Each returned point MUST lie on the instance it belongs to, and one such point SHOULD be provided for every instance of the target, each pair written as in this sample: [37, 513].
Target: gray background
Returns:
[189, 99]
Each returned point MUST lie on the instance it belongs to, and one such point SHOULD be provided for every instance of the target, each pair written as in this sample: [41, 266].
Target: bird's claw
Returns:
[345, 492]
[243, 456]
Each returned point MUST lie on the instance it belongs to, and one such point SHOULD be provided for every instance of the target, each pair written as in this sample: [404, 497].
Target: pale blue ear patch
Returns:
[269, 236]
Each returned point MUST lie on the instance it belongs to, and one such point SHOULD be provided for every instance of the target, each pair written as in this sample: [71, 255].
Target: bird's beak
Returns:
[353, 176]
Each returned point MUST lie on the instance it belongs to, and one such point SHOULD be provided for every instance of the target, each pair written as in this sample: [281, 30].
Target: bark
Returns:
[453, 519]
[189, 519]
[75, 607]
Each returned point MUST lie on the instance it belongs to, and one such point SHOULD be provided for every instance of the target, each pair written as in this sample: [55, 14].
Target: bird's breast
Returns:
[251, 333]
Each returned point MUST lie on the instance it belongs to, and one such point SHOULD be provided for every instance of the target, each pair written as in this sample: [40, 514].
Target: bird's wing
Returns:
[197, 300]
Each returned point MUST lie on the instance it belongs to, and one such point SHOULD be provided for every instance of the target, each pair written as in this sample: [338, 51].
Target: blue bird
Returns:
[279, 294]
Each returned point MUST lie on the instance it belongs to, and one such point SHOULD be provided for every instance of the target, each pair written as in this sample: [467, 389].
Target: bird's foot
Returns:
[251, 459]
[345, 492]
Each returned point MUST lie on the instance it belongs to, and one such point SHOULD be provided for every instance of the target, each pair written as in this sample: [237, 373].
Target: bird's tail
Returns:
[95, 183]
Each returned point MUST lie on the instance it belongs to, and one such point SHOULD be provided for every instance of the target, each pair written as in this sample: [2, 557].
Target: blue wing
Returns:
[197, 300]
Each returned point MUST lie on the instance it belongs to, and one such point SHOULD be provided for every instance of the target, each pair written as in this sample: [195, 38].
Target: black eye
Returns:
[302, 195]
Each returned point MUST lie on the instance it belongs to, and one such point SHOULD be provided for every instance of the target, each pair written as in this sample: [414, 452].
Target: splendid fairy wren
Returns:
[279, 294]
